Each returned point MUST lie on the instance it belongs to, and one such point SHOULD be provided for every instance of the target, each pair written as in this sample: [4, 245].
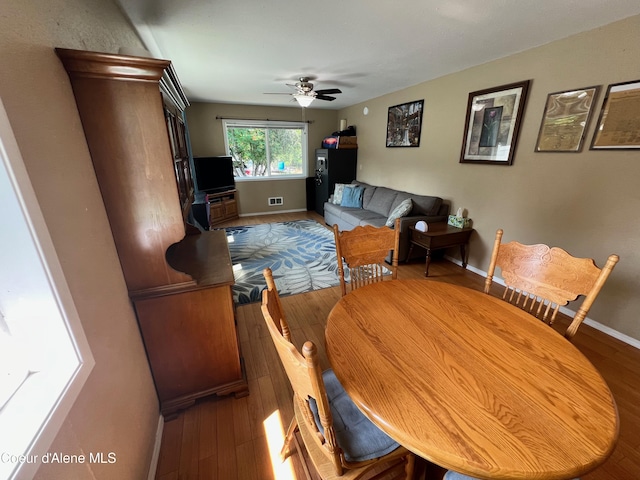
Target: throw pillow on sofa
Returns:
[337, 193]
[401, 210]
[352, 196]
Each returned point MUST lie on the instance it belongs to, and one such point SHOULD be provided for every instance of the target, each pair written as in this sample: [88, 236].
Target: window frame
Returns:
[304, 126]
[39, 297]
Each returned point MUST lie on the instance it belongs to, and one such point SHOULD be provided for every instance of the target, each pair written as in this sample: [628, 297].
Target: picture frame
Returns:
[404, 124]
[492, 124]
[618, 126]
[565, 120]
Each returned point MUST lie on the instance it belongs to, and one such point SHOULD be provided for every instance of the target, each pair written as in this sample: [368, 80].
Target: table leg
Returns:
[427, 263]
[463, 255]
[409, 253]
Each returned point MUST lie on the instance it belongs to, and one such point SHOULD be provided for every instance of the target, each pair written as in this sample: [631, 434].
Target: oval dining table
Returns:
[469, 382]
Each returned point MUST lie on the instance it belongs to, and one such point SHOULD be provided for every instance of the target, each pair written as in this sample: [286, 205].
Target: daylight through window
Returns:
[266, 149]
[44, 355]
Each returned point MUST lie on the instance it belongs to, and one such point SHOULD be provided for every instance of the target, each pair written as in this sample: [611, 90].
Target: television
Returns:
[214, 174]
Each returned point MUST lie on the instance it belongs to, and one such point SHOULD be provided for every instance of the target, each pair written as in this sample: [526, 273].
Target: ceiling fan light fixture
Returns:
[303, 100]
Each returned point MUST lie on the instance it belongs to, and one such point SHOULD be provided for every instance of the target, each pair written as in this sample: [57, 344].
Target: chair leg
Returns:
[287, 449]
[410, 465]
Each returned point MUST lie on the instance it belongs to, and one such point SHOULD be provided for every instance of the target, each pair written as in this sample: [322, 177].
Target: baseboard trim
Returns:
[272, 213]
[613, 333]
[567, 311]
[153, 467]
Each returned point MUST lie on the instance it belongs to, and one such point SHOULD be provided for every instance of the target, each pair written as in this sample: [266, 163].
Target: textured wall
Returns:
[117, 410]
[586, 203]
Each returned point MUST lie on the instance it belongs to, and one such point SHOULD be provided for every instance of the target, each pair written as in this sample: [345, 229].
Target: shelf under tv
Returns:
[223, 206]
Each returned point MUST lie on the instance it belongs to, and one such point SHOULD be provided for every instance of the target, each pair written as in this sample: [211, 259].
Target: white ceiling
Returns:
[232, 51]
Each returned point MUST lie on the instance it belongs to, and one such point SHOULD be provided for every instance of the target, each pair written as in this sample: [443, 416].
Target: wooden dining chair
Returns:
[364, 250]
[540, 279]
[341, 442]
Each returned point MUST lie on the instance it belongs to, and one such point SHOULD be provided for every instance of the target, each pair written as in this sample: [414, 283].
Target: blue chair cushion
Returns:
[451, 475]
[359, 438]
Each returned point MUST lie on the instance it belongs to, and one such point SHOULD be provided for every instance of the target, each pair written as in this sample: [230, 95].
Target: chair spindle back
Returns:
[364, 250]
[541, 279]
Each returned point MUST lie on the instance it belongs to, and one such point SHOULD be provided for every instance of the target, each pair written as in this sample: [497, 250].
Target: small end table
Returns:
[438, 237]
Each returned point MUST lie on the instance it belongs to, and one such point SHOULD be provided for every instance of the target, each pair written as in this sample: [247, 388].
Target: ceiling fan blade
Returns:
[325, 97]
[276, 93]
[328, 91]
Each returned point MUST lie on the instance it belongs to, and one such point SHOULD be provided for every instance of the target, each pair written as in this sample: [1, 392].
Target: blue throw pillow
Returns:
[352, 196]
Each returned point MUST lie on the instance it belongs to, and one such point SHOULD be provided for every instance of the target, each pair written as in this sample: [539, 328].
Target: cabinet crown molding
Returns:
[80, 63]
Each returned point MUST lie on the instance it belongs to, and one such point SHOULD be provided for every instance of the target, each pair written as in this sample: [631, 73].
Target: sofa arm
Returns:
[444, 210]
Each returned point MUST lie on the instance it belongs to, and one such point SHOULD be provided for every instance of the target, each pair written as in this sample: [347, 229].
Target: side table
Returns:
[438, 237]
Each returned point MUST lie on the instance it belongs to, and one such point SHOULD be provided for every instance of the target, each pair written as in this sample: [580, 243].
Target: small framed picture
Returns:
[618, 126]
[404, 123]
[492, 124]
[565, 120]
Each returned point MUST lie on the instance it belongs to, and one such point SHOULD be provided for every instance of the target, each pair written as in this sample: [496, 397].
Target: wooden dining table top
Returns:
[470, 382]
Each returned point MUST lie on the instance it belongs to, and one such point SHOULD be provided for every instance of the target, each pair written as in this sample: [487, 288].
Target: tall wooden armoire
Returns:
[179, 279]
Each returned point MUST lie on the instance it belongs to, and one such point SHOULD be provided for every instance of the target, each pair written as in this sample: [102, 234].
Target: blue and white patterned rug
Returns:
[301, 255]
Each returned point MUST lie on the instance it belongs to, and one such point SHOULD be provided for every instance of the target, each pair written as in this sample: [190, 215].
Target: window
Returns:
[266, 150]
[44, 355]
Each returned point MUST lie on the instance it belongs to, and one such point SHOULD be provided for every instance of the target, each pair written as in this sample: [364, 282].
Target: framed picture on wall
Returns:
[404, 124]
[492, 124]
[618, 126]
[565, 120]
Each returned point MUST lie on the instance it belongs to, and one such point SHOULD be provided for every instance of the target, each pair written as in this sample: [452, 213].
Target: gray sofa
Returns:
[378, 203]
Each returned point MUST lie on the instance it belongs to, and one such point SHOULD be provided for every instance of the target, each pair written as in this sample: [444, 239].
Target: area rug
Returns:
[301, 254]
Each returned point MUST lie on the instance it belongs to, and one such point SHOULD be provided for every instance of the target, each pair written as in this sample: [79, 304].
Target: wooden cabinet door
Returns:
[230, 208]
[216, 212]
[191, 343]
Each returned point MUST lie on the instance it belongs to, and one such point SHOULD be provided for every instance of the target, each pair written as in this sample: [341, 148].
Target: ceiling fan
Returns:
[305, 94]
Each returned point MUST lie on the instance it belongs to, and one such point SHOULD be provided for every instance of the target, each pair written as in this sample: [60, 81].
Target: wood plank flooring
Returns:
[227, 438]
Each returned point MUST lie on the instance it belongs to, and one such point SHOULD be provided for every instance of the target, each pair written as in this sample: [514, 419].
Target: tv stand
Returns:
[223, 206]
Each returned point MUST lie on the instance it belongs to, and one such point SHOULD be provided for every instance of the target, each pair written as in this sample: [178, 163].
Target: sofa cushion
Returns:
[382, 200]
[355, 216]
[377, 222]
[352, 196]
[401, 197]
[333, 208]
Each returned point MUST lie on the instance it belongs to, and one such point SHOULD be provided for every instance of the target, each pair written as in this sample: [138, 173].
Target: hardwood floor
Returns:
[227, 438]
